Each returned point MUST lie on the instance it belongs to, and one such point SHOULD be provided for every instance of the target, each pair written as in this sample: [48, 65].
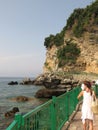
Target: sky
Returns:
[24, 24]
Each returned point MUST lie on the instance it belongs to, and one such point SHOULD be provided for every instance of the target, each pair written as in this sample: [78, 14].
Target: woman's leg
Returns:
[85, 125]
[90, 124]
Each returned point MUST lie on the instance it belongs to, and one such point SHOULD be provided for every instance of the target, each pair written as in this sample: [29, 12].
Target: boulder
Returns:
[13, 83]
[27, 81]
[21, 99]
[48, 93]
[12, 112]
[52, 84]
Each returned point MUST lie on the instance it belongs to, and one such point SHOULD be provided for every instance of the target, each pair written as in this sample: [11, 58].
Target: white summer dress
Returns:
[86, 107]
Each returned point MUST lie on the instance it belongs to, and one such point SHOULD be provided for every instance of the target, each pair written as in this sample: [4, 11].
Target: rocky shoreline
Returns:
[56, 84]
[59, 83]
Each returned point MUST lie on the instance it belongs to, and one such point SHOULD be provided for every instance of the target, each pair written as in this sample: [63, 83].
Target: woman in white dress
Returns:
[88, 96]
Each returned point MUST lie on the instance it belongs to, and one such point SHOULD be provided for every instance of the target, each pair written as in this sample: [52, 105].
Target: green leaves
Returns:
[68, 54]
[79, 21]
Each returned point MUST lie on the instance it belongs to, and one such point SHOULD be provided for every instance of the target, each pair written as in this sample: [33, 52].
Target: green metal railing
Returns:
[51, 115]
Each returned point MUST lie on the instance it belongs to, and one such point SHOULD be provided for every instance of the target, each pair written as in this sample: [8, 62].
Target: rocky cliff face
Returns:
[87, 60]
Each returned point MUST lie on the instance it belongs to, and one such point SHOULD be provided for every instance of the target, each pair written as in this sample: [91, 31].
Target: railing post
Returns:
[75, 98]
[53, 113]
[18, 118]
[67, 106]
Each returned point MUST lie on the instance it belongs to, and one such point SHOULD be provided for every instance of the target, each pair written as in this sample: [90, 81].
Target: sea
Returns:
[9, 92]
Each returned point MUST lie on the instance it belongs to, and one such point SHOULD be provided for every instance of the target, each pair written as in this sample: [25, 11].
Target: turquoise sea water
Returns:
[8, 92]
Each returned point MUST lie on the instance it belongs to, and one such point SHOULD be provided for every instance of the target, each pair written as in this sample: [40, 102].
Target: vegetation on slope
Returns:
[79, 21]
[68, 54]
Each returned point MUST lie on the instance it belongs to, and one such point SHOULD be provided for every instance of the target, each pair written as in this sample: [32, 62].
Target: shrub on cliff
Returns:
[68, 54]
[79, 21]
[57, 40]
[83, 19]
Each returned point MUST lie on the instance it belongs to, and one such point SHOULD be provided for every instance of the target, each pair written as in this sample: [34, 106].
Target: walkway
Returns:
[75, 121]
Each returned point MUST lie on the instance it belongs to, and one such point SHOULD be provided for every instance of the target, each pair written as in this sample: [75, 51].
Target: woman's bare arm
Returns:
[80, 94]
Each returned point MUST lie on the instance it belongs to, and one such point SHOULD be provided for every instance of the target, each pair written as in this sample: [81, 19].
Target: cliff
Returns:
[75, 48]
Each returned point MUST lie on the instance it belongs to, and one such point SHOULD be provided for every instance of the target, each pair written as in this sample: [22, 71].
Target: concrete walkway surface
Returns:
[75, 122]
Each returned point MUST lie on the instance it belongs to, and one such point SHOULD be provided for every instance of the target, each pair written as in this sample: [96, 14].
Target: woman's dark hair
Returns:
[88, 84]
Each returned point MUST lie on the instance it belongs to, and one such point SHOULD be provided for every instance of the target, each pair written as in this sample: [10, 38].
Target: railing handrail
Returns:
[53, 113]
[37, 108]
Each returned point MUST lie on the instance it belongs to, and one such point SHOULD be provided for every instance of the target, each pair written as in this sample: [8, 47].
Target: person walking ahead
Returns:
[87, 114]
